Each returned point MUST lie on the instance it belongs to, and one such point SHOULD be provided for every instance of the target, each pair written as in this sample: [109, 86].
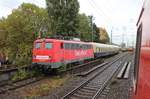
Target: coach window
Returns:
[69, 45]
[80, 46]
[74, 46]
[38, 45]
[85, 47]
[97, 49]
[90, 46]
[48, 45]
[100, 50]
[66, 45]
[137, 55]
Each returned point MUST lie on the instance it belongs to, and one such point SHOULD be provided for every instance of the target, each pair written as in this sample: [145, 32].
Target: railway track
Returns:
[8, 85]
[94, 85]
[12, 68]
[91, 64]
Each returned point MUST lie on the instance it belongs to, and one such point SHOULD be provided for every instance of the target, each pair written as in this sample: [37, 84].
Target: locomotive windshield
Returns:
[38, 45]
[48, 45]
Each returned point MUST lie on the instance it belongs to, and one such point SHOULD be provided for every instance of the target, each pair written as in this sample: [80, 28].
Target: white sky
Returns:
[118, 16]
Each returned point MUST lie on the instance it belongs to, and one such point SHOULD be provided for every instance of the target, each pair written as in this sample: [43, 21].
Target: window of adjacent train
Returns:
[137, 55]
[48, 45]
[38, 45]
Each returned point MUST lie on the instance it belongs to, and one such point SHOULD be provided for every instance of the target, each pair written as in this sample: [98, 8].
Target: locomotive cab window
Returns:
[48, 45]
[137, 56]
[38, 45]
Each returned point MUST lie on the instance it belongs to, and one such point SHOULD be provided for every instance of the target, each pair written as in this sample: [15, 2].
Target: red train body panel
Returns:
[142, 59]
[53, 53]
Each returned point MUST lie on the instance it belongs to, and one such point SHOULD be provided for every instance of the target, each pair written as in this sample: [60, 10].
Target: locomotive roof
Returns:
[57, 40]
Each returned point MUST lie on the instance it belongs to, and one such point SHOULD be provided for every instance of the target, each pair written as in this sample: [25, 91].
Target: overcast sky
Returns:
[118, 16]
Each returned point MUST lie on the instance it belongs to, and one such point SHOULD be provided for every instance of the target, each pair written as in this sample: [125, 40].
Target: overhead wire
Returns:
[99, 7]
[98, 12]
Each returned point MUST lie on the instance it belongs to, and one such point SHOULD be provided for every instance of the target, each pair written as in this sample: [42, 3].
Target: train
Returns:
[141, 79]
[54, 53]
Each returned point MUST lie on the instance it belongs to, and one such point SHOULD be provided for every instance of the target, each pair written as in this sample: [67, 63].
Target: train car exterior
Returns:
[53, 53]
[142, 56]
[101, 50]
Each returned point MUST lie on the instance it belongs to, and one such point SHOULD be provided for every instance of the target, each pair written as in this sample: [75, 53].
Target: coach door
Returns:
[137, 57]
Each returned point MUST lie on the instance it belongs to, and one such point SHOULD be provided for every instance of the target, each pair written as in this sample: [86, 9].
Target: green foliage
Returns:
[62, 68]
[18, 32]
[21, 74]
[96, 33]
[28, 21]
[85, 30]
[63, 16]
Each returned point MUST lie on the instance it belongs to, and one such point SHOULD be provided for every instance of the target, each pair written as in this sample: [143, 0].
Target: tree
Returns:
[17, 31]
[3, 33]
[84, 28]
[104, 38]
[63, 16]
[87, 29]
[96, 33]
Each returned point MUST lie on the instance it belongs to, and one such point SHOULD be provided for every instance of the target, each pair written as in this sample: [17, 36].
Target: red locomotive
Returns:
[53, 53]
[142, 56]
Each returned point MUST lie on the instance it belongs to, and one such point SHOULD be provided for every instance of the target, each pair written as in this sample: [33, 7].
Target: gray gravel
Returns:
[121, 88]
[118, 89]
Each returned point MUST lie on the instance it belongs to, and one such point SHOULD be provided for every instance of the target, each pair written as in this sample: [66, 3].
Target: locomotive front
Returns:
[42, 53]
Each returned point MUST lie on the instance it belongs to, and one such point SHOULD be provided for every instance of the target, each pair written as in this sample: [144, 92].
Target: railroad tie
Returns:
[91, 70]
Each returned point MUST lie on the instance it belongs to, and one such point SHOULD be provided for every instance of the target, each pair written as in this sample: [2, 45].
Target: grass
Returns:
[45, 87]
[22, 74]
